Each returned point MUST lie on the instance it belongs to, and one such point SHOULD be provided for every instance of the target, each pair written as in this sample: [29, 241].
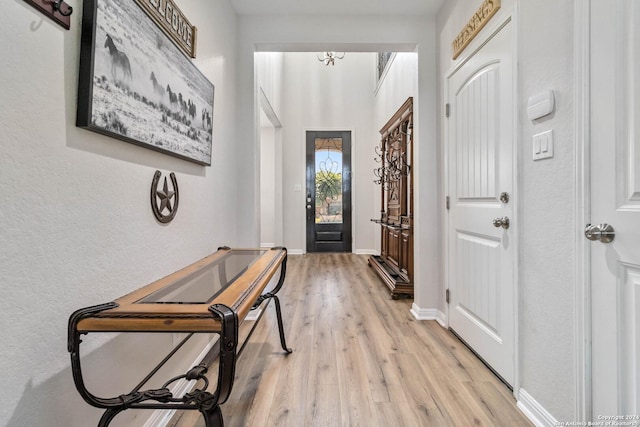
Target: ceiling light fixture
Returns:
[328, 58]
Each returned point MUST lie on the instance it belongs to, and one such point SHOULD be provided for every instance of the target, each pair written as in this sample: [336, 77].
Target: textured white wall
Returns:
[547, 211]
[399, 83]
[77, 228]
[546, 196]
[269, 75]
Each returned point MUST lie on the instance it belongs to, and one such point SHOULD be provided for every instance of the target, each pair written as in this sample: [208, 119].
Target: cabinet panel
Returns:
[394, 246]
[385, 241]
[405, 252]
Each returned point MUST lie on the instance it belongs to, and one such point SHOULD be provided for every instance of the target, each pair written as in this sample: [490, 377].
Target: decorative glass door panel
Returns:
[328, 201]
[328, 180]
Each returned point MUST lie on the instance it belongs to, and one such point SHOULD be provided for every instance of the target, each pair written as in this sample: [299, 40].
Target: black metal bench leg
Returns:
[212, 416]
[283, 342]
[109, 415]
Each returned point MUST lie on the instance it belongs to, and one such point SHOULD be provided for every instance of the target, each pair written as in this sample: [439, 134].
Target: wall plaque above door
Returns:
[475, 24]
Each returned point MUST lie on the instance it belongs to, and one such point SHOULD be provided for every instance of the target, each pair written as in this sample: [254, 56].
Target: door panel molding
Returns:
[627, 110]
[628, 290]
[582, 287]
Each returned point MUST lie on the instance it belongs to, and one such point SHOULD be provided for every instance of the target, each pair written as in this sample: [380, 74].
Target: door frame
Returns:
[303, 193]
[582, 214]
[502, 18]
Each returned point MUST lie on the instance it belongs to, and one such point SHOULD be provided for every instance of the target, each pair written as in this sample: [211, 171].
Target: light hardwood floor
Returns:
[360, 359]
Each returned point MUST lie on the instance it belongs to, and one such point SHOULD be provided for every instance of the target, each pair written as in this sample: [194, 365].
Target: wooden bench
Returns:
[213, 295]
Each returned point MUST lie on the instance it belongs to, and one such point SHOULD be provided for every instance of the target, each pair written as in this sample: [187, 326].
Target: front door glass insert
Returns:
[328, 180]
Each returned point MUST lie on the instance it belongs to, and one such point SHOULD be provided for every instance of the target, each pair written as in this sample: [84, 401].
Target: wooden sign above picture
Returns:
[173, 22]
[475, 24]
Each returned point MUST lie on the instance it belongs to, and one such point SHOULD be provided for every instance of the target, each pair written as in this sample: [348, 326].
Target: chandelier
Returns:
[328, 58]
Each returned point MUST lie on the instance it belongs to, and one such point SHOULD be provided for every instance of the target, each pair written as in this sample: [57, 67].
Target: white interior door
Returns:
[481, 254]
[615, 199]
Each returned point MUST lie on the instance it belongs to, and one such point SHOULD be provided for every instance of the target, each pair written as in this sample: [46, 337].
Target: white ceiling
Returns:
[336, 7]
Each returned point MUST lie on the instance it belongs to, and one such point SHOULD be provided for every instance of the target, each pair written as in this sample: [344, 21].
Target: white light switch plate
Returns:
[543, 145]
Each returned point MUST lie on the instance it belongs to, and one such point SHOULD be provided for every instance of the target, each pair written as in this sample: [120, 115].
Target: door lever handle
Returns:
[501, 222]
[602, 232]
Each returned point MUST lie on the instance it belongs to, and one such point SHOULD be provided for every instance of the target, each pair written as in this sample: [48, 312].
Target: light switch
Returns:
[297, 187]
[543, 145]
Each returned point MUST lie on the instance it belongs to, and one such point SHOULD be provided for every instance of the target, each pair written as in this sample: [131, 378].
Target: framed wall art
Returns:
[137, 86]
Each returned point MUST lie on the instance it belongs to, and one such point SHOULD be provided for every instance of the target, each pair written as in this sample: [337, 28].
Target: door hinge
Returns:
[447, 110]
[446, 296]
[447, 203]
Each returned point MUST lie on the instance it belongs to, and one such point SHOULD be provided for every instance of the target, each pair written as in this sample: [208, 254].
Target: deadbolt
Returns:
[602, 232]
[504, 197]
[501, 222]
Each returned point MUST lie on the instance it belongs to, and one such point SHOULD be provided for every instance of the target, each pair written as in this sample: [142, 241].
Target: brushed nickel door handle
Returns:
[501, 222]
[603, 232]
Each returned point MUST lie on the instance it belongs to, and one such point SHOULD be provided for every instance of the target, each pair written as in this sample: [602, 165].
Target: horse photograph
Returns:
[119, 60]
[157, 88]
[134, 88]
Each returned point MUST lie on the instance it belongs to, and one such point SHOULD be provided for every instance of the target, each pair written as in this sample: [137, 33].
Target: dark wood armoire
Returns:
[394, 265]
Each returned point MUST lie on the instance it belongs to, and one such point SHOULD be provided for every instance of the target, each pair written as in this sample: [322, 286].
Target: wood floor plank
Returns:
[360, 359]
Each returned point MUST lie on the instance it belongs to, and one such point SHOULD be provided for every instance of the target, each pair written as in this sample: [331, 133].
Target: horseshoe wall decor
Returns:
[161, 199]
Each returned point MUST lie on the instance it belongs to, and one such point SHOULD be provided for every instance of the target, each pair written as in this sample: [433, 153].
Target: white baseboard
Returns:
[357, 251]
[253, 314]
[423, 313]
[536, 413]
[366, 252]
[162, 417]
[267, 245]
[441, 318]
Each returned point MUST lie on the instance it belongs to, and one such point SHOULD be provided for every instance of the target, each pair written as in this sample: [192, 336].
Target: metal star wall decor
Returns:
[164, 199]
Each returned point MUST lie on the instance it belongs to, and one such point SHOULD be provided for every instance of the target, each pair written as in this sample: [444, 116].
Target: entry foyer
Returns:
[77, 228]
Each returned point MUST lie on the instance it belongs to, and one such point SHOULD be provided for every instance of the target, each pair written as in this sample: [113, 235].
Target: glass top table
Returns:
[203, 285]
[180, 302]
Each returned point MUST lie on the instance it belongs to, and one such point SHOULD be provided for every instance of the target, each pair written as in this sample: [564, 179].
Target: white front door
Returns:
[481, 254]
[615, 199]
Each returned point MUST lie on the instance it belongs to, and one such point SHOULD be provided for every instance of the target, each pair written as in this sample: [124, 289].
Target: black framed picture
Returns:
[137, 86]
